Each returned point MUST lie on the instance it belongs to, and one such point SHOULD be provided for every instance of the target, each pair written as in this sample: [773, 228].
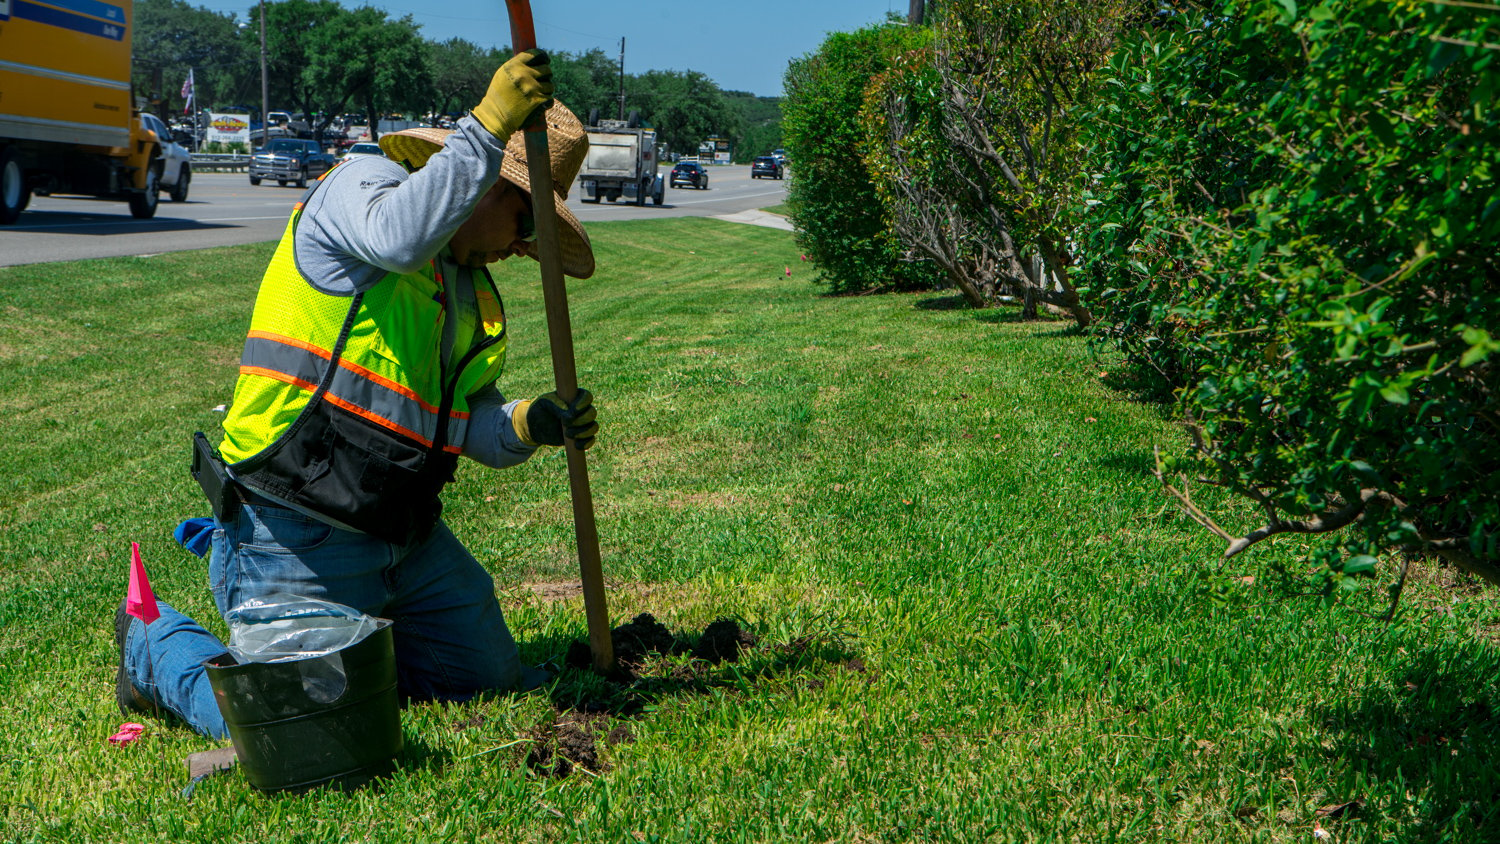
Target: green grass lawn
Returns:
[978, 618]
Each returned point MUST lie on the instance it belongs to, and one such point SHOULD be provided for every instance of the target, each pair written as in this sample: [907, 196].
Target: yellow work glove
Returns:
[546, 420]
[518, 88]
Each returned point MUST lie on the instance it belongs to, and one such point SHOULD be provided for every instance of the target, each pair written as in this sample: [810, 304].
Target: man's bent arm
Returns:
[372, 217]
[492, 437]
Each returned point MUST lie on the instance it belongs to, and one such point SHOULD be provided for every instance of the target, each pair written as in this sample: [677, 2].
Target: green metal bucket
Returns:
[329, 720]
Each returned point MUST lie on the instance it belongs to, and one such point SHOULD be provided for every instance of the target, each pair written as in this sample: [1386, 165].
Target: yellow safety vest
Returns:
[344, 406]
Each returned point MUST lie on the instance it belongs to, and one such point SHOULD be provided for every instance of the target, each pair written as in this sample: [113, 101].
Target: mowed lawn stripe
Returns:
[979, 618]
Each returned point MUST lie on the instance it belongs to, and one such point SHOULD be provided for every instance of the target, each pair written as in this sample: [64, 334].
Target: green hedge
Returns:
[1291, 222]
[841, 222]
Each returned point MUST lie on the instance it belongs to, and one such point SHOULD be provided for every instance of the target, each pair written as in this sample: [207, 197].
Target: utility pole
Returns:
[265, 98]
[915, 12]
[622, 77]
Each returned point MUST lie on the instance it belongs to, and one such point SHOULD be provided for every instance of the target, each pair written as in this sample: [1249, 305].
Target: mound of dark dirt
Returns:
[590, 712]
[569, 742]
[642, 636]
[722, 642]
[633, 642]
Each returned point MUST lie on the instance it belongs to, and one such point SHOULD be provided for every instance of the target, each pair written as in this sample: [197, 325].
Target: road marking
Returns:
[70, 225]
[235, 219]
[715, 198]
[137, 223]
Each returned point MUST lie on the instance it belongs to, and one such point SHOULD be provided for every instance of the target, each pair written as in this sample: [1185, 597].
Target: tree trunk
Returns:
[1066, 297]
[967, 287]
[1033, 267]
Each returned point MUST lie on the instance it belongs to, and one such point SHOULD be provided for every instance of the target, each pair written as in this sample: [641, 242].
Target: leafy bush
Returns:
[1292, 223]
[973, 142]
[840, 220]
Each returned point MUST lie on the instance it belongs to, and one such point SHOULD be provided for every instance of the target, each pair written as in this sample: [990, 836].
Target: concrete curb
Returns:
[758, 218]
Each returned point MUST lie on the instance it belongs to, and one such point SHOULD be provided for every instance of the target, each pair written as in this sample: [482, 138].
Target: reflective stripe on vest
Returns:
[388, 372]
[354, 388]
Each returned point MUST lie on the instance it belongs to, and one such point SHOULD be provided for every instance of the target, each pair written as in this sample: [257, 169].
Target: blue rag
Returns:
[196, 535]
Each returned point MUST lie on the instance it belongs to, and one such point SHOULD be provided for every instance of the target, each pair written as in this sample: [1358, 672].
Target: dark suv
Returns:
[289, 160]
[690, 173]
[766, 167]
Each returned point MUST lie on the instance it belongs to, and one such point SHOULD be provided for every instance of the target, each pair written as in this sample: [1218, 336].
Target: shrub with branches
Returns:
[840, 220]
[1292, 222]
[974, 142]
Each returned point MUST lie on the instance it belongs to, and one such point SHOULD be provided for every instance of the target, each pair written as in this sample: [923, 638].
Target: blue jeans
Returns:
[450, 635]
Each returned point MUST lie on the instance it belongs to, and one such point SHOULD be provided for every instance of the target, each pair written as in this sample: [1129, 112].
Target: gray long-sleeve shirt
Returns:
[370, 217]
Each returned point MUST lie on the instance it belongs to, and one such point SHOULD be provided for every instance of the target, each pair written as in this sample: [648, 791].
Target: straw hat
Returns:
[566, 142]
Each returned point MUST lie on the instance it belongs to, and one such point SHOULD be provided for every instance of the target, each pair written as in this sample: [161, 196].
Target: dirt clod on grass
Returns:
[570, 742]
[722, 642]
[475, 719]
[592, 713]
[643, 635]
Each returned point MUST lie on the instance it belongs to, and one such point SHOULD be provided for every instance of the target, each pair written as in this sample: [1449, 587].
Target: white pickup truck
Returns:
[621, 163]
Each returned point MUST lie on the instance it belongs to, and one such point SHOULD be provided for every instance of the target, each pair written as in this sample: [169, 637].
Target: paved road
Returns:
[224, 210]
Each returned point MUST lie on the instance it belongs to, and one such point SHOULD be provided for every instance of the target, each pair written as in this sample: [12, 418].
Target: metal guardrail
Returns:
[220, 161]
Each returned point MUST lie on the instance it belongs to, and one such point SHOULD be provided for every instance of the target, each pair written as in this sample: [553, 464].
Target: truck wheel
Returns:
[660, 196]
[143, 204]
[633, 119]
[593, 117]
[179, 191]
[302, 178]
[13, 192]
[281, 182]
[254, 180]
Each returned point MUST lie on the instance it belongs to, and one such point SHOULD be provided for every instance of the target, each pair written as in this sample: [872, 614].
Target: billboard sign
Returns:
[229, 128]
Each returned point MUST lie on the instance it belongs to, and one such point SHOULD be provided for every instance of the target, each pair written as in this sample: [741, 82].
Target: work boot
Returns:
[130, 699]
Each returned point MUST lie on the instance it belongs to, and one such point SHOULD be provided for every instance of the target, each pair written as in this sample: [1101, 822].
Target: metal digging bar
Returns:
[560, 335]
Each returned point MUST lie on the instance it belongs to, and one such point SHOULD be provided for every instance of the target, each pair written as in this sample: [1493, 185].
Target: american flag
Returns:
[187, 93]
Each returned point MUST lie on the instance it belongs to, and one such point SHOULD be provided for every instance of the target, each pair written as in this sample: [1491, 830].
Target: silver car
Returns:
[177, 163]
[364, 148]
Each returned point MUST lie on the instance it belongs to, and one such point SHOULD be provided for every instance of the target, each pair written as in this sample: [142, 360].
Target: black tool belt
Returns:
[338, 465]
[224, 495]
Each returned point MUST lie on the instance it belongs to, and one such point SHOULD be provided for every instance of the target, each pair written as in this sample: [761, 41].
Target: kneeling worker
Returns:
[369, 368]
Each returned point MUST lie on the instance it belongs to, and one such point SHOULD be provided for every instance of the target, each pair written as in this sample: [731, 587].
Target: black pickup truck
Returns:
[289, 160]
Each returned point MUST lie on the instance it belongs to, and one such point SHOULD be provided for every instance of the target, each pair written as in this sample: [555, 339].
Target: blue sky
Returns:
[745, 47]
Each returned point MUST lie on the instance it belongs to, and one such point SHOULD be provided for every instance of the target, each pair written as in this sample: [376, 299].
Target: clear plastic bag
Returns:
[281, 627]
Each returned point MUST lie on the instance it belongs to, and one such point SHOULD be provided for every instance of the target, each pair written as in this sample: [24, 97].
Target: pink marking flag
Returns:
[139, 601]
[128, 732]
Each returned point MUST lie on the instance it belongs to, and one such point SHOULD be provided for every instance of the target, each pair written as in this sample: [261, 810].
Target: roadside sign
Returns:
[229, 128]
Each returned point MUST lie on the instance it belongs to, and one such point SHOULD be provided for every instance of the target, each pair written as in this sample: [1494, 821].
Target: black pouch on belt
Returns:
[209, 472]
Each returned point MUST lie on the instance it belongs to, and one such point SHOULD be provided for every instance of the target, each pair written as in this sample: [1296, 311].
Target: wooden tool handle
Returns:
[560, 335]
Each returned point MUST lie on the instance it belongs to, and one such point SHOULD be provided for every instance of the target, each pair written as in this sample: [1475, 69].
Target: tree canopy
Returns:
[325, 59]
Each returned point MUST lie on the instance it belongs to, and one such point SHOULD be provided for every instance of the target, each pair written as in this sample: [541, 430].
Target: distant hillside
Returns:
[760, 124]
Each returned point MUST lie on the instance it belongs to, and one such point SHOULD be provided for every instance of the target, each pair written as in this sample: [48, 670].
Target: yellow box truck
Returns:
[68, 123]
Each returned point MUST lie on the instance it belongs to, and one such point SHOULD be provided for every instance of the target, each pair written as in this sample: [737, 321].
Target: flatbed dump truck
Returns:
[621, 164]
[68, 120]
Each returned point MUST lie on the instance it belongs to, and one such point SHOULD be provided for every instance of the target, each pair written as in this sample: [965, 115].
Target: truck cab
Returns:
[67, 121]
[289, 160]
